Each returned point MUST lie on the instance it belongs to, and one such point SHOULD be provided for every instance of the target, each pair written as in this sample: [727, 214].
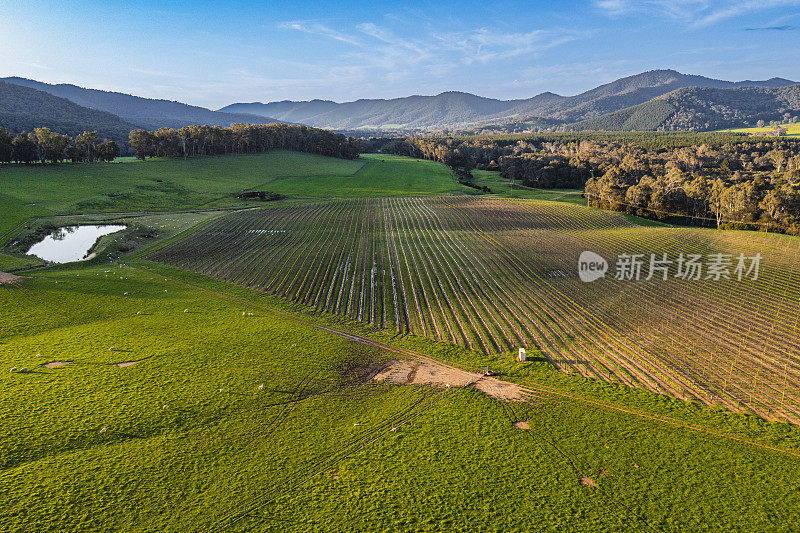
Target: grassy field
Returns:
[222, 388]
[191, 436]
[206, 182]
[791, 129]
[501, 187]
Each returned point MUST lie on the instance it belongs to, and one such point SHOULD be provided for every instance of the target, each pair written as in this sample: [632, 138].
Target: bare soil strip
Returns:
[55, 364]
[430, 372]
[9, 279]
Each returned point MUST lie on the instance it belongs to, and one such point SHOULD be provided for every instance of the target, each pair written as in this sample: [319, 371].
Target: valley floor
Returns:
[190, 382]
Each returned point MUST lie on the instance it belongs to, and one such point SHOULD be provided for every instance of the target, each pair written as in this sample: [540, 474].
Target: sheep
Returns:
[103, 430]
[138, 313]
[112, 348]
[124, 293]
[165, 406]
[23, 369]
[260, 387]
[14, 369]
[185, 310]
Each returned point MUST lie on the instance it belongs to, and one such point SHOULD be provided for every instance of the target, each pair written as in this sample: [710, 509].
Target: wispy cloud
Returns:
[772, 28]
[383, 48]
[483, 45]
[695, 13]
[316, 28]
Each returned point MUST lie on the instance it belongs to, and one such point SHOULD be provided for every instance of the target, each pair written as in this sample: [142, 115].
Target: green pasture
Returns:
[28, 191]
[502, 187]
[791, 129]
[191, 436]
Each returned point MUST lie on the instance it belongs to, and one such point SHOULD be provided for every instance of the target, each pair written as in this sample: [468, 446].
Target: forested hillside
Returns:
[23, 109]
[648, 116]
[145, 112]
[699, 108]
[704, 109]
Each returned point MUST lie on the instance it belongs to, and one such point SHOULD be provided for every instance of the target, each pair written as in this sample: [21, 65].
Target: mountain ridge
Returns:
[456, 108]
[23, 109]
[149, 113]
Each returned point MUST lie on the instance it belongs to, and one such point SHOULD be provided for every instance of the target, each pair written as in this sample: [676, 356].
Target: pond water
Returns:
[71, 243]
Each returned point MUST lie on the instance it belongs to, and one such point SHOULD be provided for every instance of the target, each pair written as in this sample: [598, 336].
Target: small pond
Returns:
[71, 243]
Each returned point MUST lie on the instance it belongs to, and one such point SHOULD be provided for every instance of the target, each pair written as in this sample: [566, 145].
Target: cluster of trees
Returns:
[241, 139]
[43, 145]
[703, 179]
[556, 160]
[753, 185]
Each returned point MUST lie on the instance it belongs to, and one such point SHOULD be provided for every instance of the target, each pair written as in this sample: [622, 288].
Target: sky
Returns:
[212, 53]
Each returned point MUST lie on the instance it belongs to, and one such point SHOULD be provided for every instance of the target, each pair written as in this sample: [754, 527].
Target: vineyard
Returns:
[495, 274]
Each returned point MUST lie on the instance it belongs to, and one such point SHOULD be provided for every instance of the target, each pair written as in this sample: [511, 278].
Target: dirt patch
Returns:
[9, 279]
[56, 364]
[127, 363]
[437, 374]
[522, 424]
[589, 482]
[502, 390]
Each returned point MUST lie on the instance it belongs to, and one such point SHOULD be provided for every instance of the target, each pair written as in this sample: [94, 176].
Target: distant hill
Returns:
[445, 109]
[648, 116]
[460, 110]
[145, 112]
[702, 109]
[23, 109]
[699, 108]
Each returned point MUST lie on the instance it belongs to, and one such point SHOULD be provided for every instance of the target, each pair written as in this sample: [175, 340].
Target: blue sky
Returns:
[215, 53]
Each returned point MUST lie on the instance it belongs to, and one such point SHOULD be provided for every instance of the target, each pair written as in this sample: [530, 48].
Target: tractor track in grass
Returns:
[527, 388]
[579, 472]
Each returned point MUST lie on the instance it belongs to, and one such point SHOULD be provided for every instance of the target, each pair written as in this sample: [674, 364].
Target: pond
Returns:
[71, 243]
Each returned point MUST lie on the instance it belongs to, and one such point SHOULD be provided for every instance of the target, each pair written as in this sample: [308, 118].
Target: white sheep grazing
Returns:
[261, 386]
[185, 310]
[138, 312]
[244, 314]
[165, 406]
[124, 293]
[103, 430]
[112, 348]
[23, 369]
[14, 369]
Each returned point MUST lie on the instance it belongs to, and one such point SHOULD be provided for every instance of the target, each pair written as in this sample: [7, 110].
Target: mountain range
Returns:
[146, 113]
[462, 110]
[653, 100]
[23, 109]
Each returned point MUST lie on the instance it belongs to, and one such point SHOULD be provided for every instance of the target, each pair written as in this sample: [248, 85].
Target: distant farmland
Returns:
[494, 274]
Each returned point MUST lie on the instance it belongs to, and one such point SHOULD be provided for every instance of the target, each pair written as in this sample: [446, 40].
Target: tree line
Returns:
[241, 139]
[44, 146]
[723, 180]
